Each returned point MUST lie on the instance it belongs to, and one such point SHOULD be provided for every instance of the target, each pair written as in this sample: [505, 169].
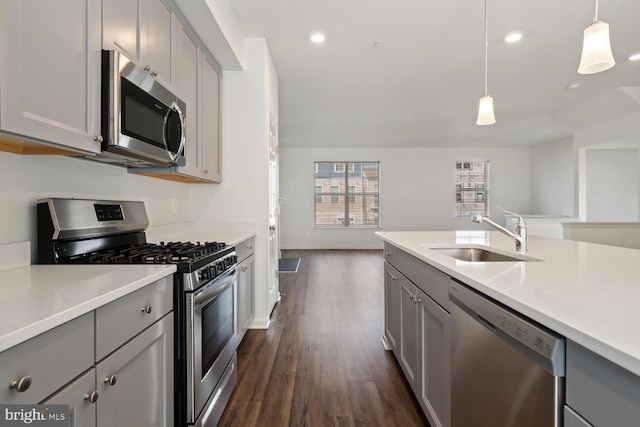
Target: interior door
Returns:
[274, 247]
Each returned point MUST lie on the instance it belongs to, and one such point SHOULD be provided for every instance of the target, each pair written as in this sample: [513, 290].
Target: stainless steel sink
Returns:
[478, 255]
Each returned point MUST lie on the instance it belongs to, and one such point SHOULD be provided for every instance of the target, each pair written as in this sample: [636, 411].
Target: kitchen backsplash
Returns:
[25, 179]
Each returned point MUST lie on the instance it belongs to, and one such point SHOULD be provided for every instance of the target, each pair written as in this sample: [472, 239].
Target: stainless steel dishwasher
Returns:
[506, 370]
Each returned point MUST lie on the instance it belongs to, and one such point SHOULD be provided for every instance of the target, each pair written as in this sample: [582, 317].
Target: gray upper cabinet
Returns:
[50, 79]
[197, 82]
[143, 31]
[187, 76]
[211, 158]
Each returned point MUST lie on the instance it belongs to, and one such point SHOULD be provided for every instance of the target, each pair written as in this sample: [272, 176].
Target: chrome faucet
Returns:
[520, 234]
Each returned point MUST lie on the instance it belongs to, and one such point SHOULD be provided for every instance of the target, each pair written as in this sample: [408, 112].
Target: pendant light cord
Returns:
[595, 11]
[486, 49]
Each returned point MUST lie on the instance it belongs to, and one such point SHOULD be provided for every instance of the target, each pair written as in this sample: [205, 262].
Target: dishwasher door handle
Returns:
[484, 322]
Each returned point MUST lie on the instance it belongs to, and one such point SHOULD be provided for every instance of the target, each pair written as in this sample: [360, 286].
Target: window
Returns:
[472, 188]
[353, 190]
[335, 196]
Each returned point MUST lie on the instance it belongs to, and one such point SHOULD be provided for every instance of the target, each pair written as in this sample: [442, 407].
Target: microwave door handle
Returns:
[176, 108]
[206, 296]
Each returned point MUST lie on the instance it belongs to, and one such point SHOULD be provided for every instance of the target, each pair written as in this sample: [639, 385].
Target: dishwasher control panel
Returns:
[540, 343]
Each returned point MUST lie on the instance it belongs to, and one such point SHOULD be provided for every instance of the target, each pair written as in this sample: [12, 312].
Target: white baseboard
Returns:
[259, 323]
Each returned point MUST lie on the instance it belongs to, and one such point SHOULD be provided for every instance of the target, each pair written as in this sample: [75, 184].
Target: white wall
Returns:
[25, 179]
[552, 176]
[417, 191]
[612, 184]
[243, 194]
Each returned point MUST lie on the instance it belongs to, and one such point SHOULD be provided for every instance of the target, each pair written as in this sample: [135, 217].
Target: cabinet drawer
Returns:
[432, 281]
[82, 412]
[603, 393]
[124, 318]
[51, 359]
[245, 249]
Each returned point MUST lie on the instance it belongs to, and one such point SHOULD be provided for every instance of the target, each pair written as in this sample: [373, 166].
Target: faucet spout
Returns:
[519, 236]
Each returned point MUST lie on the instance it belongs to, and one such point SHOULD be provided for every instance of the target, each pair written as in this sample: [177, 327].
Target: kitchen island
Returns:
[588, 293]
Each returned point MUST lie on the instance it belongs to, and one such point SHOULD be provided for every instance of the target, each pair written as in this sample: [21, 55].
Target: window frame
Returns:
[349, 193]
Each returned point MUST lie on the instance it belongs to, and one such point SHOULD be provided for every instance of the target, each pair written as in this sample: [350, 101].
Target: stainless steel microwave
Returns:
[143, 122]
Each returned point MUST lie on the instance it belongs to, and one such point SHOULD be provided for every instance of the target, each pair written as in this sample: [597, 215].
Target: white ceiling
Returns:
[421, 85]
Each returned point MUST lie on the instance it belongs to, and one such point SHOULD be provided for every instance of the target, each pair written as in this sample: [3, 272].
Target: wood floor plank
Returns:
[321, 362]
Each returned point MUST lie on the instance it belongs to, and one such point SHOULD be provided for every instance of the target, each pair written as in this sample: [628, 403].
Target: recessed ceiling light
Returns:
[317, 37]
[573, 86]
[634, 57]
[513, 37]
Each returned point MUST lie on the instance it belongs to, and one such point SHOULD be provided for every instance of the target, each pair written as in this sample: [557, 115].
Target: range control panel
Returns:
[109, 212]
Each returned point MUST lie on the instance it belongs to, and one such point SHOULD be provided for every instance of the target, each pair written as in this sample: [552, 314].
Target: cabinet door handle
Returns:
[147, 309]
[154, 73]
[387, 253]
[243, 269]
[91, 397]
[21, 384]
[98, 138]
[147, 68]
[112, 380]
[250, 248]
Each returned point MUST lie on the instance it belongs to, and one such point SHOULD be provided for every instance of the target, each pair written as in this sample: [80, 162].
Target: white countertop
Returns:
[36, 298]
[587, 292]
[231, 238]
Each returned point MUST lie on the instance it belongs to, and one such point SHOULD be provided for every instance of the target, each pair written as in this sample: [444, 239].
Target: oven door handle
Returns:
[207, 295]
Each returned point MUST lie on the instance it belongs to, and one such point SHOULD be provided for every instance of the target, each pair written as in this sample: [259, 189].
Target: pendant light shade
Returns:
[485, 111]
[485, 106]
[596, 47]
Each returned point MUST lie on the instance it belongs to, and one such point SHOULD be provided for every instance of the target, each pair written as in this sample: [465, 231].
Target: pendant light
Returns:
[485, 106]
[596, 48]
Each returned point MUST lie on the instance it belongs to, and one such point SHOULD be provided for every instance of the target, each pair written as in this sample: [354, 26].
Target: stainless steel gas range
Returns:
[78, 231]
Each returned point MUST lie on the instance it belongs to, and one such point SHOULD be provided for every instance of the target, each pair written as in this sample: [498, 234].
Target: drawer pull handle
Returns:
[91, 397]
[22, 384]
[147, 309]
[112, 380]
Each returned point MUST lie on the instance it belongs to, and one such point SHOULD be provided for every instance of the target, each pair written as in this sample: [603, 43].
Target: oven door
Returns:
[211, 339]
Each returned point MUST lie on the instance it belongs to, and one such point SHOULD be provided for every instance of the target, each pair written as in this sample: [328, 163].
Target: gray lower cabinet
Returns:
[135, 383]
[418, 330]
[246, 277]
[602, 393]
[112, 366]
[435, 361]
[39, 367]
[409, 341]
[80, 395]
[392, 313]
[571, 419]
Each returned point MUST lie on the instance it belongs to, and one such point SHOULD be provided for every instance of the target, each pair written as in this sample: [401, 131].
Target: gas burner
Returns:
[182, 253]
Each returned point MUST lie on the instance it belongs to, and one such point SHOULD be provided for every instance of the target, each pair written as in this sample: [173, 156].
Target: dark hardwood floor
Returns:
[321, 362]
